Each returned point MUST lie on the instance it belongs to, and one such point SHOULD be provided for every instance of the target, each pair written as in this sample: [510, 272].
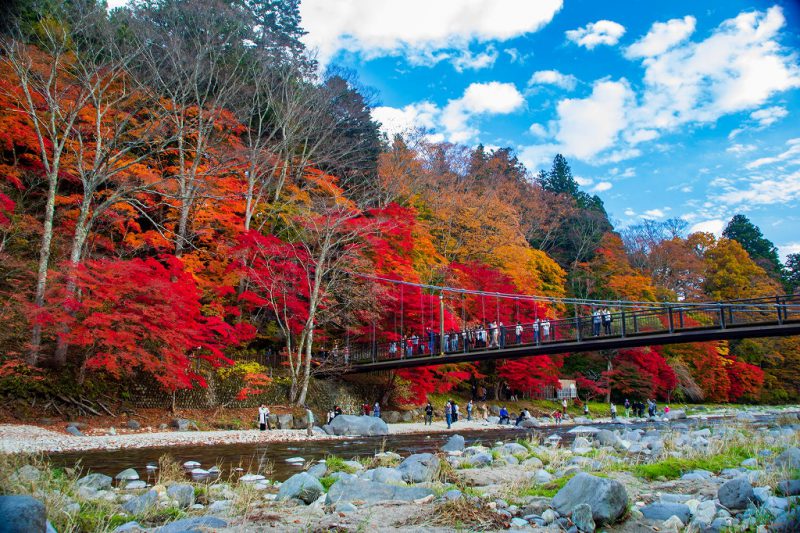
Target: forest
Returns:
[182, 189]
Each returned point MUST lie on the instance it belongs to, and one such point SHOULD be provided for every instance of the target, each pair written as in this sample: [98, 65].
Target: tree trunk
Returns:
[609, 368]
[306, 368]
[44, 265]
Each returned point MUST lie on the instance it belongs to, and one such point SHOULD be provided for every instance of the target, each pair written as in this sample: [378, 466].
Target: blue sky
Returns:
[664, 109]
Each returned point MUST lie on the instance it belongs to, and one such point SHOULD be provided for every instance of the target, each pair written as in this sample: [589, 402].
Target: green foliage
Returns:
[547, 490]
[761, 250]
[675, 467]
[327, 481]
[337, 464]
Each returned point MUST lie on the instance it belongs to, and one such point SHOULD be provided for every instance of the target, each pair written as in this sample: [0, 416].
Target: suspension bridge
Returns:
[594, 325]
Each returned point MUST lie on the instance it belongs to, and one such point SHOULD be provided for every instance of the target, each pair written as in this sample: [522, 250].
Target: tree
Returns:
[760, 249]
[559, 180]
[792, 278]
[731, 274]
[530, 374]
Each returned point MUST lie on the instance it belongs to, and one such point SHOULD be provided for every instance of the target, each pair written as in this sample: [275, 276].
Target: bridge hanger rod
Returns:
[549, 299]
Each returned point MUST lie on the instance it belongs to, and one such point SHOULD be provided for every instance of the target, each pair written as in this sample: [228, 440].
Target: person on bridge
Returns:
[504, 418]
[392, 349]
[431, 340]
[536, 324]
[502, 335]
[596, 320]
[429, 414]
[454, 341]
[546, 329]
[607, 319]
[446, 347]
[518, 332]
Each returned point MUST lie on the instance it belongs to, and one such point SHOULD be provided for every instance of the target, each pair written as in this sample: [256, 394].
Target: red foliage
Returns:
[439, 379]
[591, 388]
[144, 315]
[652, 365]
[530, 374]
[745, 379]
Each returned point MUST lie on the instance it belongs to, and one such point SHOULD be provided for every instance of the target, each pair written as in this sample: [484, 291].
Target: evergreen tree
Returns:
[760, 249]
[792, 273]
[559, 179]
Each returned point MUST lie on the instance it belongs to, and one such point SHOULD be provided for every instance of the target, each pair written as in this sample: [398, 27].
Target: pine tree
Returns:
[760, 249]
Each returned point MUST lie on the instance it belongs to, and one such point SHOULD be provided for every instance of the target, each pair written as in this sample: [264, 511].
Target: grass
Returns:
[337, 464]
[327, 482]
[548, 489]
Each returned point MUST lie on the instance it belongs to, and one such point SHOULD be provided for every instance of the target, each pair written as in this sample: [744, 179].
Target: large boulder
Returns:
[318, 470]
[607, 438]
[182, 493]
[182, 424]
[663, 510]
[454, 444]
[513, 448]
[789, 458]
[419, 467]
[22, 514]
[371, 492]
[302, 486]
[607, 497]
[676, 414]
[736, 493]
[285, 421]
[129, 474]
[391, 417]
[384, 474]
[790, 487]
[96, 481]
[142, 503]
[362, 426]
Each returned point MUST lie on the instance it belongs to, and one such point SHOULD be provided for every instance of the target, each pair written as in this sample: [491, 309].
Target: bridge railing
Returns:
[625, 321]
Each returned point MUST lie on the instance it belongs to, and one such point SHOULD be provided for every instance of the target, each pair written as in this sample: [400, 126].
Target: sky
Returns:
[664, 108]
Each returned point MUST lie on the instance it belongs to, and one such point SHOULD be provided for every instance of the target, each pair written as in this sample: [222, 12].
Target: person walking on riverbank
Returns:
[469, 410]
[455, 411]
[376, 410]
[263, 418]
[627, 408]
[309, 421]
[564, 406]
[448, 413]
[429, 414]
[613, 411]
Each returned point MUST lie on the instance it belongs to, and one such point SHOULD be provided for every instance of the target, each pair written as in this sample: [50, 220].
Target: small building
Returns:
[568, 390]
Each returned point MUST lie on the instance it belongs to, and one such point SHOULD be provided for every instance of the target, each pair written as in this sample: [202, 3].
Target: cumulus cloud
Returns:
[661, 37]
[455, 120]
[538, 130]
[789, 248]
[602, 186]
[596, 33]
[469, 61]
[553, 77]
[375, 28]
[653, 213]
[714, 226]
[791, 154]
[587, 126]
[765, 191]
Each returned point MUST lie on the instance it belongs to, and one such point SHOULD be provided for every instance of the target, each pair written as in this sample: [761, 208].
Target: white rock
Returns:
[252, 478]
[191, 464]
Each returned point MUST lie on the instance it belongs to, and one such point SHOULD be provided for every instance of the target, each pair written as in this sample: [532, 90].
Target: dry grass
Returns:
[460, 514]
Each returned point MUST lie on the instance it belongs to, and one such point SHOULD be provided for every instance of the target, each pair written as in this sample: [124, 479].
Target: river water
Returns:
[272, 456]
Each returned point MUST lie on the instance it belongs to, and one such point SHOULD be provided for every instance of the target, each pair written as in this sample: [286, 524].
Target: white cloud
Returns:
[374, 28]
[468, 60]
[583, 182]
[595, 33]
[661, 37]
[602, 186]
[587, 126]
[687, 189]
[422, 115]
[714, 226]
[630, 212]
[553, 77]
[791, 154]
[765, 191]
[538, 130]
[741, 148]
[454, 121]
[789, 248]
[769, 115]
[653, 213]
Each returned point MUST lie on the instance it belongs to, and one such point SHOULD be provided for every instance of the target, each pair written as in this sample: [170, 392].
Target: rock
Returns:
[220, 507]
[72, 430]
[533, 462]
[789, 459]
[372, 492]
[676, 414]
[664, 510]
[191, 464]
[79, 425]
[134, 485]
[27, 473]
[318, 470]
[295, 460]
[584, 430]
[302, 486]
[673, 524]
[182, 424]
[128, 527]
[141, 503]
[285, 421]
[252, 478]
[549, 516]
[704, 513]
[480, 459]
[391, 417]
[182, 493]
[607, 498]
[133, 424]
[789, 487]
[353, 465]
[519, 523]
[419, 467]
[736, 493]
[512, 448]
[129, 474]
[542, 476]
[345, 507]
[343, 475]
[196, 524]
[529, 423]
[454, 444]
[384, 474]
[22, 514]
[452, 495]
[607, 438]
[581, 442]
[364, 426]
[750, 463]
[582, 518]
[493, 419]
